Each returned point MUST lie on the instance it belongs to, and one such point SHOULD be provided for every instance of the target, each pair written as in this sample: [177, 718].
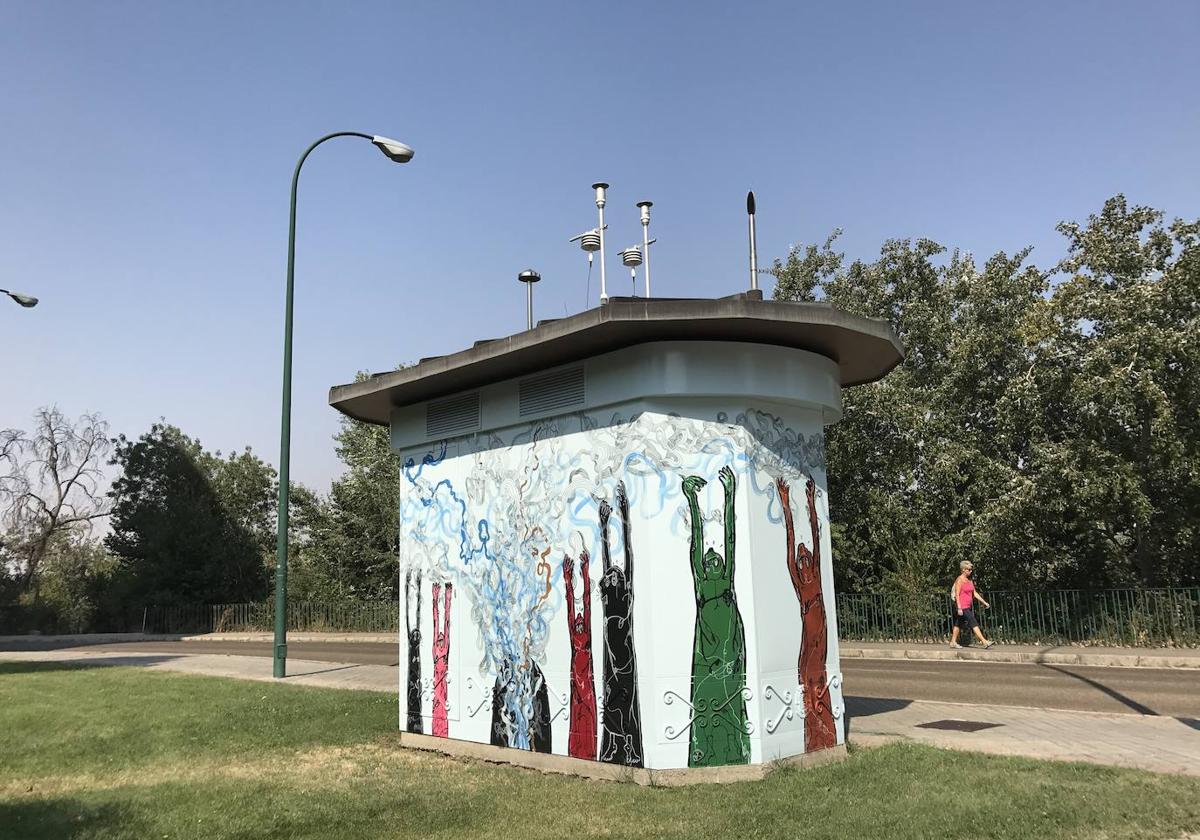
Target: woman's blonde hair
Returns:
[964, 565]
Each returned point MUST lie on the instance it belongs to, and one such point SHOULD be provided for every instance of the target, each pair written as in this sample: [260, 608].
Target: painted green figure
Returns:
[719, 731]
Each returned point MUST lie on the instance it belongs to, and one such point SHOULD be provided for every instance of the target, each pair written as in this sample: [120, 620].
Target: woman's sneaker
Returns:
[955, 645]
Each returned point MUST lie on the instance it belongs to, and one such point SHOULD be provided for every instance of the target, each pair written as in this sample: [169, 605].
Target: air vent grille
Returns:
[552, 391]
[452, 415]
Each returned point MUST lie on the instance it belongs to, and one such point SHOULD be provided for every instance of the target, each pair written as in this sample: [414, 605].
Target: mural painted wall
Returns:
[626, 589]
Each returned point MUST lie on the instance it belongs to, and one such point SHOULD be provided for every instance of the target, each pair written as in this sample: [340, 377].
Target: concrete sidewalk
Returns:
[1159, 744]
[300, 671]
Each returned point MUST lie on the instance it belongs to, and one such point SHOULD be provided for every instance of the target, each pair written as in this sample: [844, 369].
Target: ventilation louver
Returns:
[452, 415]
[549, 392]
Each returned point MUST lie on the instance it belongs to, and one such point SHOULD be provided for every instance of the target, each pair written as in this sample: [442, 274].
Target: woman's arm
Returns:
[979, 598]
[954, 594]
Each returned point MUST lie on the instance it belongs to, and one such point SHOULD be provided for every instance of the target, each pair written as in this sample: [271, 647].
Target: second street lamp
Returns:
[28, 301]
[400, 153]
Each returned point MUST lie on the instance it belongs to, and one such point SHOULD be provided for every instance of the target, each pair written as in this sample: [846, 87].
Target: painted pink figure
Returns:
[441, 657]
[581, 742]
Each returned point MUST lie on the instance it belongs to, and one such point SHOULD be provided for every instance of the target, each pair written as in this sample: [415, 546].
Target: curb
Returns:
[1110, 660]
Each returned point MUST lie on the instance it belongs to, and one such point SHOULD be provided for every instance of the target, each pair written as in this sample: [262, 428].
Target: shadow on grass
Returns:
[50, 819]
[38, 667]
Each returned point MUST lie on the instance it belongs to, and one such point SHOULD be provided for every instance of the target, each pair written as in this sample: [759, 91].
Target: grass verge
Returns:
[123, 753]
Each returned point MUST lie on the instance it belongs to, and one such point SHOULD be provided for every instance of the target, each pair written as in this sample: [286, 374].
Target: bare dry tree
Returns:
[50, 486]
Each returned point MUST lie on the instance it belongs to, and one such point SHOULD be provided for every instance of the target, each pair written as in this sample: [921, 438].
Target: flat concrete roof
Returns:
[865, 349]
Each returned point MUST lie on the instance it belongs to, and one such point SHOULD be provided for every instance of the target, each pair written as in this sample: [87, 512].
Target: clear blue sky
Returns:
[146, 151]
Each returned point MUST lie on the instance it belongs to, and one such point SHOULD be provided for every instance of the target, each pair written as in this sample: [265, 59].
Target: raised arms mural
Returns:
[719, 728]
[441, 656]
[582, 740]
[804, 566]
[412, 624]
[496, 521]
[621, 732]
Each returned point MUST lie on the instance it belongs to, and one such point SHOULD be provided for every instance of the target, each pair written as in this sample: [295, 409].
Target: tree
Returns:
[75, 578]
[189, 526]
[1045, 430]
[315, 570]
[1123, 348]
[356, 533]
[50, 488]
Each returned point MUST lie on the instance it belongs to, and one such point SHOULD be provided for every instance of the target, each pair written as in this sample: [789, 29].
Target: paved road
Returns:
[1147, 691]
[1119, 690]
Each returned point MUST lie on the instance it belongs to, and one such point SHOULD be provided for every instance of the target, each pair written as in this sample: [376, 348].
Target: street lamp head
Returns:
[529, 276]
[394, 149]
[27, 301]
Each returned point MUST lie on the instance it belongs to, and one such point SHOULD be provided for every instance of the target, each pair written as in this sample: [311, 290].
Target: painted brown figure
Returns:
[441, 659]
[412, 624]
[804, 566]
[581, 742]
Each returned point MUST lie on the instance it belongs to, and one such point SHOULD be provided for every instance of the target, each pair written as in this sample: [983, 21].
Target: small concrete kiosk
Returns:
[614, 537]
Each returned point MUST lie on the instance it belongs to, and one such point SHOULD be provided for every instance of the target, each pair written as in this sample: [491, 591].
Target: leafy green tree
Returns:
[315, 568]
[1047, 431]
[75, 577]
[354, 536]
[189, 526]
[1123, 361]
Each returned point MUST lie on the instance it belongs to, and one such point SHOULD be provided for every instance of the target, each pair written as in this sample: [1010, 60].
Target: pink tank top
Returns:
[966, 592]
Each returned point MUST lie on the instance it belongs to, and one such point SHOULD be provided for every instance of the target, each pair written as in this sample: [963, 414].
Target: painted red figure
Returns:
[804, 566]
[441, 657]
[582, 737]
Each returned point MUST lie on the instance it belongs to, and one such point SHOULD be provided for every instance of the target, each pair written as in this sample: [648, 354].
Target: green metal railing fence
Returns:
[345, 617]
[1119, 617]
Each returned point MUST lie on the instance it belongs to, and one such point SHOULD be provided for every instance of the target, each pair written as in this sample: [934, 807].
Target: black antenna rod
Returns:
[753, 245]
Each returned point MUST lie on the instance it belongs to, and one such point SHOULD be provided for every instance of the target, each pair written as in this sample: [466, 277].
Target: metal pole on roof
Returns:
[529, 277]
[395, 151]
[601, 189]
[645, 206]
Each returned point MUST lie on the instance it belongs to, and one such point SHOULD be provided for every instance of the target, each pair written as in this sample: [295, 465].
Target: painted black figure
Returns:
[412, 623]
[621, 725]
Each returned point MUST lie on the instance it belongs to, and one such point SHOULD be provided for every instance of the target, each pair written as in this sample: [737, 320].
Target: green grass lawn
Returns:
[123, 753]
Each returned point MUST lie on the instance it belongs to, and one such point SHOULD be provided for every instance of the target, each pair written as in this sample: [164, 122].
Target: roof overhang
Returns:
[865, 349]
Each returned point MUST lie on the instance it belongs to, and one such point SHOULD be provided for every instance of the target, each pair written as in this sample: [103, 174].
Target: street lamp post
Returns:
[399, 153]
[28, 301]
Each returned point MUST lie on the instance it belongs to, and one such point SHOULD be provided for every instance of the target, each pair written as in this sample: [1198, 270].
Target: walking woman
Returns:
[965, 597]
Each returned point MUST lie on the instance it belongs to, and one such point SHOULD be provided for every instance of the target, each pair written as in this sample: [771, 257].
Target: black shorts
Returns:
[966, 622]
